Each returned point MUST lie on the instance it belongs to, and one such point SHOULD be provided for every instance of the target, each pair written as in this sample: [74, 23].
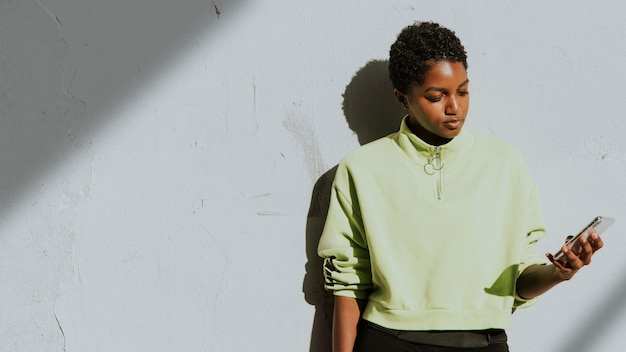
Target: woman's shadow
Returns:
[372, 112]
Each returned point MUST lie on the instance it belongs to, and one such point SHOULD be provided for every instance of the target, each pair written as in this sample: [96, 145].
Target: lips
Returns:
[453, 124]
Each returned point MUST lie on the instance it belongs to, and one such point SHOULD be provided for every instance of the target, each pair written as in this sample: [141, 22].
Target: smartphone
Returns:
[599, 225]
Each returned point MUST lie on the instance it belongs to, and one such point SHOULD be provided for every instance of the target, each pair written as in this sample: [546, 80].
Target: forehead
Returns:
[445, 74]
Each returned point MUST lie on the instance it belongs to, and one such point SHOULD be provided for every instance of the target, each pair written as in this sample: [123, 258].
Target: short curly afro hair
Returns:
[417, 47]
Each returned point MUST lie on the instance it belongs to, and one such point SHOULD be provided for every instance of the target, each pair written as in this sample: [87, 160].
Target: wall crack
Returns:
[61, 330]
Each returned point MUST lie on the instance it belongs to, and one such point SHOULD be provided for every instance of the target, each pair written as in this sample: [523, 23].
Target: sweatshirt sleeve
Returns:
[343, 244]
[530, 254]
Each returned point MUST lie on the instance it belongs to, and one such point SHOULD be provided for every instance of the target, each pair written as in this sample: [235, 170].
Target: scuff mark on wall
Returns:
[61, 329]
[67, 189]
[269, 213]
[305, 135]
[66, 84]
[47, 10]
[202, 201]
[220, 264]
[254, 102]
[218, 13]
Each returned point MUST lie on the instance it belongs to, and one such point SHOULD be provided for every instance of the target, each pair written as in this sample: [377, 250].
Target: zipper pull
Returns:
[435, 163]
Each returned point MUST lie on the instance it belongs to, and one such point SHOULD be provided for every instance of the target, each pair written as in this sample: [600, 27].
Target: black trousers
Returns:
[375, 340]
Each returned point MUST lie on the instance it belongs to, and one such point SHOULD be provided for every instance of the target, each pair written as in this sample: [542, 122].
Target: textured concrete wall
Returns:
[165, 163]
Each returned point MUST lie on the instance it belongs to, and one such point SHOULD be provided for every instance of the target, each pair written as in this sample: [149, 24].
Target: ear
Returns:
[401, 98]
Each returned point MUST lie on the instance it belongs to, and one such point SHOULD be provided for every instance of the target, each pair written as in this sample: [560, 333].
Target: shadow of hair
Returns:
[369, 104]
[372, 112]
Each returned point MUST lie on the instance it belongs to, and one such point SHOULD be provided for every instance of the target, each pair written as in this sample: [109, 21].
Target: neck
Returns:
[426, 135]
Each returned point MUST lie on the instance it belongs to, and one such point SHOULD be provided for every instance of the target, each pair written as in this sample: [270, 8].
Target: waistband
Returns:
[446, 338]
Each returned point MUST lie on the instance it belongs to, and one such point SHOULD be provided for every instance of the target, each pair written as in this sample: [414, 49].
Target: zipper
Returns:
[433, 167]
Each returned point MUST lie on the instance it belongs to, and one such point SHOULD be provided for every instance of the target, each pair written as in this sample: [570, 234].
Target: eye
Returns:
[434, 99]
[462, 93]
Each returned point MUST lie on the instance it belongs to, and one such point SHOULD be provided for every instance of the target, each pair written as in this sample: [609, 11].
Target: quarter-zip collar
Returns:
[421, 152]
[435, 161]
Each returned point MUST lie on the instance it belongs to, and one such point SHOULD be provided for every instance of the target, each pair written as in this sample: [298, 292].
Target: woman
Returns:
[430, 237]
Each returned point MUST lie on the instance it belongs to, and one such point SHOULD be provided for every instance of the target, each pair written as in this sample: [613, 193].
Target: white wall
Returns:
[159, 157]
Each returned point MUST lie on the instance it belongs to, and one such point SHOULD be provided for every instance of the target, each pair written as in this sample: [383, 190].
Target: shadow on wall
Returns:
[591, 328]
[111, 51]
[372, 112]
[369, 104]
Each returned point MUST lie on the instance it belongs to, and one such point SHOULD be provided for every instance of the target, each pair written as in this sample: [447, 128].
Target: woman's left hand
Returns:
[575, 261]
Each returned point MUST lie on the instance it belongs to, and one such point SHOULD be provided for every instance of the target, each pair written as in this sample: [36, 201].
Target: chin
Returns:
[449, 134]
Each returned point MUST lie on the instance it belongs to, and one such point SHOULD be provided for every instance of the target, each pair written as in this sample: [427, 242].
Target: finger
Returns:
[586, 251]
[563, 268]
[596, 241]
[566, 271]
[573, 261]
[557, 263]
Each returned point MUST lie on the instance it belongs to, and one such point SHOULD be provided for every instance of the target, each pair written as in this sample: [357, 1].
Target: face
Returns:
[437, 108]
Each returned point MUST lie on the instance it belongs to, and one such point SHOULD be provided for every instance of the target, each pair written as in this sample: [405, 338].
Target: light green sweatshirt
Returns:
[433, 237]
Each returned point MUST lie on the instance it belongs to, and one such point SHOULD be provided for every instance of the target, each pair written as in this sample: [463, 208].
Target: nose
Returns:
[452, 108]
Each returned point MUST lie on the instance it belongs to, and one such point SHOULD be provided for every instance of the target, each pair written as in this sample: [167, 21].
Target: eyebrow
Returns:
[439, 89]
